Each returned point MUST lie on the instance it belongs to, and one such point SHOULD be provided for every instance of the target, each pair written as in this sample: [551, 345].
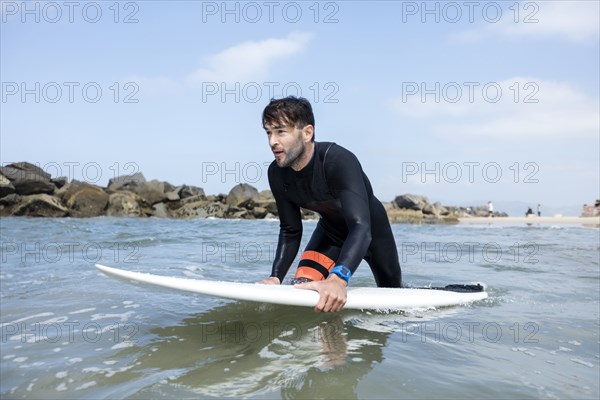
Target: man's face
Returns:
[287, 144]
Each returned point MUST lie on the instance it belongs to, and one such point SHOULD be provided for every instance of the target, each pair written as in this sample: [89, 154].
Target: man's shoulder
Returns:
[333, 153]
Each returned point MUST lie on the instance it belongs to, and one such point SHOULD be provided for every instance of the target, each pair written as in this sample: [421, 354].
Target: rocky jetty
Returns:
[473, 211]
[411, 208]
[27, 190]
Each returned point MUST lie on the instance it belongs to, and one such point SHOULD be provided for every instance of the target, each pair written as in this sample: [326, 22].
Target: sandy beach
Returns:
[585, 221]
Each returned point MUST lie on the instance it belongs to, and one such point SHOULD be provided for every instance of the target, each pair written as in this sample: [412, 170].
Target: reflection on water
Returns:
[242, 349]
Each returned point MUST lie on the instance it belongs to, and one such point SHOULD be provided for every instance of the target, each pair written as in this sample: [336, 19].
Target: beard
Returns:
[293, 155]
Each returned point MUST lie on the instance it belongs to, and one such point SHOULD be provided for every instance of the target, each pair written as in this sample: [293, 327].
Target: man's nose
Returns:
[273, 141]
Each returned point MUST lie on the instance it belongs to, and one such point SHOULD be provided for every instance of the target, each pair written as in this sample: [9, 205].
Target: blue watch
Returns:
[343, 272]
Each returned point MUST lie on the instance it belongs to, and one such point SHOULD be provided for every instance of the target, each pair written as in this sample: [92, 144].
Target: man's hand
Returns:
[332, 293]
[273, 280]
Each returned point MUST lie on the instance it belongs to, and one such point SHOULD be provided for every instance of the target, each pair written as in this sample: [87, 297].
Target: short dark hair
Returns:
[291, 110]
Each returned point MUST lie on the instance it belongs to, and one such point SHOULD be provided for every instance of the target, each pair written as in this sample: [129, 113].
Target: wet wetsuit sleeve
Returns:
[345, 176]
[290, 227]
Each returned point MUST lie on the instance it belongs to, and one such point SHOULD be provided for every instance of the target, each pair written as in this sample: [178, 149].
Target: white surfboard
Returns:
[361, 298]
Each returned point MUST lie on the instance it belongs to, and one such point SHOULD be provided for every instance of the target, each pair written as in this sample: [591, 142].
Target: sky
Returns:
[463, 102]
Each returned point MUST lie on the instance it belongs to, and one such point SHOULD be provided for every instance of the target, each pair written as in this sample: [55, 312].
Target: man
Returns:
[326, 178]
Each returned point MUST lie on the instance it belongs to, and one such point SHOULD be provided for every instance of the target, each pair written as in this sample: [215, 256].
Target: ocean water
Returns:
[67, 331]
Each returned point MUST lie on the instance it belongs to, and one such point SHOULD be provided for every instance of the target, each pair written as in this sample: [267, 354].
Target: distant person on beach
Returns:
[490, 208]
[326, 178]
[539, 210]
[529, 212]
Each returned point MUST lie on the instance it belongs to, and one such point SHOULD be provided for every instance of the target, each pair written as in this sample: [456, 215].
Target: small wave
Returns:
[82, 311]
[86, 385]
[578, 361]
[44, 314]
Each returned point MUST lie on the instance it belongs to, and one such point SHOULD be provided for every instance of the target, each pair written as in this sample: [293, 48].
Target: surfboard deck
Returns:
[359, 298]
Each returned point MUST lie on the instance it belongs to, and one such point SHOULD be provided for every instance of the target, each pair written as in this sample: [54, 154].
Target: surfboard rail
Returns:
[361, 298]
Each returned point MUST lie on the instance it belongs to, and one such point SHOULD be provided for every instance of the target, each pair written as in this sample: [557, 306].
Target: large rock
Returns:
[6, 187]
[172, 196]
[436, 210]
[264, 200]
[60, 181]
[240, 213]
[126, 182]
[259, 212]
[479, 211]
[185, 191]
[199, 197]
[90, 201]
[241, 193]
[40, 205]
[68, 190]
[203, 209]
[265, 196]
[152, 192]
[28, 167]
[161, 210]
[10, 200]
[411, 202]
[28, 179]
[83, 199]
[439, 209]
[125, 204]
[7, 203]
[428, 209]
[215, 197]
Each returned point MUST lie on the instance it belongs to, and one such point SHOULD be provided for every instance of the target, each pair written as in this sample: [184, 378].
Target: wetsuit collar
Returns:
[307, 167]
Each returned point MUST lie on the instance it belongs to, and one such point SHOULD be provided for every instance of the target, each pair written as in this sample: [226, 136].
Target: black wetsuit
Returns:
[353, 224]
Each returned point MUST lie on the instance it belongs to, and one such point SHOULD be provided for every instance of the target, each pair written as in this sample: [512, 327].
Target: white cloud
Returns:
[520, 107]
[573, 20]
[249, 61]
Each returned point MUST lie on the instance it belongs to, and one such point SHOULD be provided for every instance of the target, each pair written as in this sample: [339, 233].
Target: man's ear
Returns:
[307, 132]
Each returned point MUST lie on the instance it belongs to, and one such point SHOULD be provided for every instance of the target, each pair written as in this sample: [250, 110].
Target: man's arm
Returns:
[290, 229]
[345, 176]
